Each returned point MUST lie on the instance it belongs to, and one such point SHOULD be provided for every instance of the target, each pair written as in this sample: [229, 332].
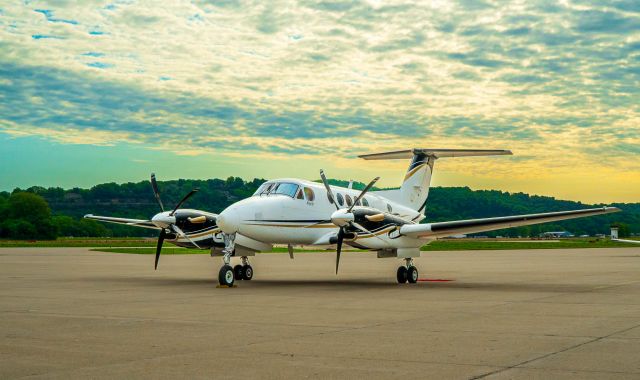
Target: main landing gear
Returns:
[407, 273]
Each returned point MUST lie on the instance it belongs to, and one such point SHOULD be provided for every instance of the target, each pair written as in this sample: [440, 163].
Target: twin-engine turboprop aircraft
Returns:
[294, 211]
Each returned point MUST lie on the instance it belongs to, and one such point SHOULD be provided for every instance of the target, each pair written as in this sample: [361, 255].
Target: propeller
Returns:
[332, 199]
[156, 193]
[182, 201]
[168, 222]
[159, 246]
[344, 218]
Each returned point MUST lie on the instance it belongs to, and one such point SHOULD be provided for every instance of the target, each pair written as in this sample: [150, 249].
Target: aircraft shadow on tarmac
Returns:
[256, 284]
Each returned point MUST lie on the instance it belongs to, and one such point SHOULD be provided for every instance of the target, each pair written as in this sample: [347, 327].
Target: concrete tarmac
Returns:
[70, 313]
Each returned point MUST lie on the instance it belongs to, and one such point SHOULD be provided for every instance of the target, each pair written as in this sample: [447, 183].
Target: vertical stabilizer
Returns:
[415, 186]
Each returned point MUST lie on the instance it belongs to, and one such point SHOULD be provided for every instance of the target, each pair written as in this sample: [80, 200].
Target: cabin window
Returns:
[348, 199]
[311, 196]
[340, 199]
[357, 201]
[286, 188]
[300, 195]
[389, 208]
[365, 202]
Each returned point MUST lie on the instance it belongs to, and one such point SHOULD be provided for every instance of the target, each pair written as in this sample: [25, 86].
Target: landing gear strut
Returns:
[407, 273]
[226, 276]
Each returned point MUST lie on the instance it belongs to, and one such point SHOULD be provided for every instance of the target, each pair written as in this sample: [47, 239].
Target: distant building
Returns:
[556, 234]
[614, 232]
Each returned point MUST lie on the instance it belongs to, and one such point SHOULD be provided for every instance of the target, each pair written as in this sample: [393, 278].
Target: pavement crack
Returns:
[481, 376]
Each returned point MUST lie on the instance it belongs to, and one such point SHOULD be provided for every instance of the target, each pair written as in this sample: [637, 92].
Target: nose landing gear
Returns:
[243, 271]
[407, 273]
[228, 274]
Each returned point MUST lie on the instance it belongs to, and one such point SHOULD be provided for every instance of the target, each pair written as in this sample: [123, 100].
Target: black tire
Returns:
[412, 275]
[238, 272]
[247, 272]
[402, 275]
[226, 276]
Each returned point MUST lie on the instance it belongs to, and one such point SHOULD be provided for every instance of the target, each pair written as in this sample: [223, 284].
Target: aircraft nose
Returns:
[229, 221]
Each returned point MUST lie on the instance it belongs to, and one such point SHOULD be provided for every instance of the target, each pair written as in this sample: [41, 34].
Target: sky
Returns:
[102, 91]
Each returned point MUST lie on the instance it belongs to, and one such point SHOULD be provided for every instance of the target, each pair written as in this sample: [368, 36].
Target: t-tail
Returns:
[415, 187]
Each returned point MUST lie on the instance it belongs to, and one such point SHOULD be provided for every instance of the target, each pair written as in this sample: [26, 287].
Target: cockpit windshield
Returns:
[273, 188]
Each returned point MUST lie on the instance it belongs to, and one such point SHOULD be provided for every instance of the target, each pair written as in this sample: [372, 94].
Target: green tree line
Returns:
[44, 213]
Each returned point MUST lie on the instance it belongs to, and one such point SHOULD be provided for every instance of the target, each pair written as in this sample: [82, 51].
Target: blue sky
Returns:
[99, 91]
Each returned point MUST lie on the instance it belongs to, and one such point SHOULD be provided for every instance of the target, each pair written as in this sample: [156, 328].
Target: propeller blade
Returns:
[182, 234]
[358, 226]
[329, 192]
[154, 185]
[363, 193]
[183, 200]
[159, 246]
[340, 238]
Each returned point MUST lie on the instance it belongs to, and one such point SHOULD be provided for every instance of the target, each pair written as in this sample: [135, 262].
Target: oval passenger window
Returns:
[310, 194]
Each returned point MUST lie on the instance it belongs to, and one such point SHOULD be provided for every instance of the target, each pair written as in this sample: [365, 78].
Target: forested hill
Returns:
[136, 200]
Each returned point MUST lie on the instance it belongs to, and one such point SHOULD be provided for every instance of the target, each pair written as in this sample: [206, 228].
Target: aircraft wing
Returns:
[125, 221]
[627, 241]
[444, 229]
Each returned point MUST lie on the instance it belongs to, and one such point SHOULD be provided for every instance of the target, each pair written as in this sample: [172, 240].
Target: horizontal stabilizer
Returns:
[437, 153]
[444, 229]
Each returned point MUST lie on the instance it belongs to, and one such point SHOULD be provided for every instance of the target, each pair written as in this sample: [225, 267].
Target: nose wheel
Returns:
[226, 276]
[407, 273]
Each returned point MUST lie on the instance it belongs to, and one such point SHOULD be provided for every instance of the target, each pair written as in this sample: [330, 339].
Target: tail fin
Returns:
[415, 186]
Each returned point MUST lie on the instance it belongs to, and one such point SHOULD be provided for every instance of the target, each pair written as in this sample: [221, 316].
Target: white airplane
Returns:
[298, 212]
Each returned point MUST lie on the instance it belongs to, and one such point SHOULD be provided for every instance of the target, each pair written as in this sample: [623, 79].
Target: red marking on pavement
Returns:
[434, 280]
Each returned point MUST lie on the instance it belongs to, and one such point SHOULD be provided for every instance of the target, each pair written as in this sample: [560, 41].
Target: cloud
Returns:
[326, 77]
[48, 14]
